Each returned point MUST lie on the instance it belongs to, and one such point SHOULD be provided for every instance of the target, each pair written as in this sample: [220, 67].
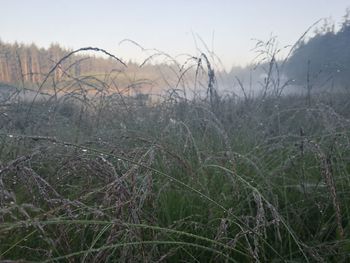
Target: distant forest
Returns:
[28, 65]
[323, 59]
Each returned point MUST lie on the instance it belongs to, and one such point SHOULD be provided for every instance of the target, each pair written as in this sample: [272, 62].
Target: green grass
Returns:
[175, 182]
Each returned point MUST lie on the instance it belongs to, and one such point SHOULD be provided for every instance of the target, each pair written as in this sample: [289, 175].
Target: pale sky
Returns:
[227, 27]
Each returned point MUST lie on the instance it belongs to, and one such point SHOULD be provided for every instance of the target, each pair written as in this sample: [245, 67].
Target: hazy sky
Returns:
[226, 26]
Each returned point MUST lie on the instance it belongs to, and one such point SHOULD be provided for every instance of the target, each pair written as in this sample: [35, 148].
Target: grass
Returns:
[110, 178]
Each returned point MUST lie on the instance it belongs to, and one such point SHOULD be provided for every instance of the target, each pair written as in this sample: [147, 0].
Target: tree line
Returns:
[20, 63]
[323, 59]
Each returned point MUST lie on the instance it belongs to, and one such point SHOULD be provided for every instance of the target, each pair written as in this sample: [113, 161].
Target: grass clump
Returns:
[106, 177]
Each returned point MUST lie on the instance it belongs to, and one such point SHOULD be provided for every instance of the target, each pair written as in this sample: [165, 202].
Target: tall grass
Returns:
[89, 174]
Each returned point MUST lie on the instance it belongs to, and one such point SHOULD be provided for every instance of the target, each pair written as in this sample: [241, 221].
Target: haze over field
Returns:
[158, 131]
[136, 31]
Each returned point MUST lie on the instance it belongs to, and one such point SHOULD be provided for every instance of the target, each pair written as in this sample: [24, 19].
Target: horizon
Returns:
[228, 29]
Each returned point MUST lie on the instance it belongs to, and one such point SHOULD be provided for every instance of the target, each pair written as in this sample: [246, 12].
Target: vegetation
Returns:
[91, 173]
[323, 58]
[27, 66]
[102, 177]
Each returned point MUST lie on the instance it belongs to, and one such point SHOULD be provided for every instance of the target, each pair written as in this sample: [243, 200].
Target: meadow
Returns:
[93, 175]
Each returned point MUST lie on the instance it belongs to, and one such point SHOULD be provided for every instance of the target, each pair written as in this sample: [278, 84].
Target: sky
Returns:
[229, 28]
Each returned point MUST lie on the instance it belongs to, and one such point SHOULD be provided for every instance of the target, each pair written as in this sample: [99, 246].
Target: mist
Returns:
[158, 156]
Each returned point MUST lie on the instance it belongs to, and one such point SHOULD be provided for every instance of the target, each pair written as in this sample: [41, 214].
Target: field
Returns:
[112, 178]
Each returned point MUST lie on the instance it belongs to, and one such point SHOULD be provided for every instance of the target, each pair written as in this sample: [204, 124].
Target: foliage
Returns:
[324, 58]
[108, 178]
